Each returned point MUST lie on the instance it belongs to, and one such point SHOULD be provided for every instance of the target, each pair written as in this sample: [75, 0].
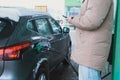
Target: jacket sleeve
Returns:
[94, 16]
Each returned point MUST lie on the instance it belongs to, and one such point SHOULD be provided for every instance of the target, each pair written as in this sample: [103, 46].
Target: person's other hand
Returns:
[69, 19]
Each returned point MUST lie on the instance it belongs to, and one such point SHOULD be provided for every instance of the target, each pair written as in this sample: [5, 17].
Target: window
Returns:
[42, 8]
[43, 26]
[30, 25]
[6, 28]
[55, 26]
[2, 25]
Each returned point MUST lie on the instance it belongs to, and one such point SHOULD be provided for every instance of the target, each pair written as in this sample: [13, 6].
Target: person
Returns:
[93, 37]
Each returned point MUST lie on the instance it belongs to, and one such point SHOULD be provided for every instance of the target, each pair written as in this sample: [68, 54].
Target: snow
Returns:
[15, 13]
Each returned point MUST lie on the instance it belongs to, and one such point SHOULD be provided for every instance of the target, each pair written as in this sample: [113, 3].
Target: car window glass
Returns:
[30, 25]
[2, 25]
[43, 26]
[55, 26]
[6, 28]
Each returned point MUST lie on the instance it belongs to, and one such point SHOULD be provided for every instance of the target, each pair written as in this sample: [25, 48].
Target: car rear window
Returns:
[6, 28]
[2, 25]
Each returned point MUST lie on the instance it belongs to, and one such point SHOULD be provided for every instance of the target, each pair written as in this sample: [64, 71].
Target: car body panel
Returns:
[34, 56]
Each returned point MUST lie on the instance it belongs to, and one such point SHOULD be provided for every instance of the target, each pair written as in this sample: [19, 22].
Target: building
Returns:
[72, 7]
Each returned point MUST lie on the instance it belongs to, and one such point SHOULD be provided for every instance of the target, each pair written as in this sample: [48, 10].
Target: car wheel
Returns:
[42, 75]
[66, 62]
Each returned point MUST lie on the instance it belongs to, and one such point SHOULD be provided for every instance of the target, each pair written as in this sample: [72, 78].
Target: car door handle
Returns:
[60, 39]
[50, 38]
[35, 37]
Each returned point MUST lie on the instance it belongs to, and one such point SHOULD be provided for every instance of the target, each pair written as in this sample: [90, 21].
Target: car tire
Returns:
[42, 75]
[66, 61]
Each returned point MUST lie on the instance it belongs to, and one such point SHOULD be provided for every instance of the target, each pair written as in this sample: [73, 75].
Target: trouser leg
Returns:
[86, 73]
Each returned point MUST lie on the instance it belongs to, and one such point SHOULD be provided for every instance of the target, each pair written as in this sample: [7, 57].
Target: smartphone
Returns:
[67, 17]
[64, 16]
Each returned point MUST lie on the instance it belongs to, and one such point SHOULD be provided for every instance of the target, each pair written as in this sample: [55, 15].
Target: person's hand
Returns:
[69, 19]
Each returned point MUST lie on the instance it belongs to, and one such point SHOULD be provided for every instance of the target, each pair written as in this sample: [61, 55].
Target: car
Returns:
[32, 44]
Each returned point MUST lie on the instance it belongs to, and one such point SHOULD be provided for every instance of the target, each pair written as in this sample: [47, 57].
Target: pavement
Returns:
[63, 72]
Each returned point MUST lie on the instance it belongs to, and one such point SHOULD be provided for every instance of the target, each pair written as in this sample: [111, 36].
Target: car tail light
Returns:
[1, 54]
[12, 52]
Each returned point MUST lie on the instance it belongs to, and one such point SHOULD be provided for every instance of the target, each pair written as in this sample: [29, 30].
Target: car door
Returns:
[45, 30]
[59, 42]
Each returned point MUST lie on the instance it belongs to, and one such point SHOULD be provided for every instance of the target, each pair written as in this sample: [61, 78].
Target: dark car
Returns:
[32, 43]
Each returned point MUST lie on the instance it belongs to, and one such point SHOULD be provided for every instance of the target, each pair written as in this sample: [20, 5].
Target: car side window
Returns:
[2, 25]
[30, 25]
[55, 26]
[6, 28]
[43, 26]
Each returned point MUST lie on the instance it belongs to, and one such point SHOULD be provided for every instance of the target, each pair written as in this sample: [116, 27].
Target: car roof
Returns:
[14, 13]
